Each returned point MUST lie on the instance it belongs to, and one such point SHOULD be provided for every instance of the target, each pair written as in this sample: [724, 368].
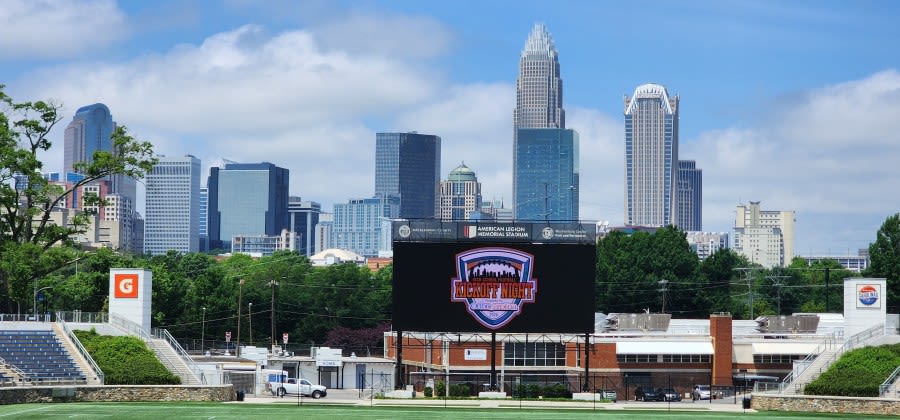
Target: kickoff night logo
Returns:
[494, 283]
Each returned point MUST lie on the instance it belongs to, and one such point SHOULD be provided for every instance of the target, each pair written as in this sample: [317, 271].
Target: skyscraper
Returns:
[363, 225]
[765, 237]
[651, 156]
[539, 99]
[304, 216]
[90, 131]
[539, 88]
[547, 174]
[460, 194]
[408, 165]
[690, 196]
[246, 199]
[203, 224]
[173, 206]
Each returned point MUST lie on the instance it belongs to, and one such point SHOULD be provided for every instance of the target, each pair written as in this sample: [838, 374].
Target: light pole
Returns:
[237, 345]
[34, 304]
[203, 332]
[250, 321]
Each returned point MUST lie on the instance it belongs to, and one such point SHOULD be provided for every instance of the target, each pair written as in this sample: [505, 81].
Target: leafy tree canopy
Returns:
[27, 199]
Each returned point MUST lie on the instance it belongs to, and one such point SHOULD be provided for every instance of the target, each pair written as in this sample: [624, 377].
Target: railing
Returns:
[129, 326]
[829, 343]
[851, 343]
[886, 385]
[84, 353]
[45, 317]
[13, 368]
[83, 317]
[134, 328]
[192, 366]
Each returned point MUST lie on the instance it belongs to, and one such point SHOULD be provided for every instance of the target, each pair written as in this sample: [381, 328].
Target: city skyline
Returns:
[789, 104]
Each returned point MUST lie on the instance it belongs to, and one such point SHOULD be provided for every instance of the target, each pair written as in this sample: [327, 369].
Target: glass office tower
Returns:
[539, 90]
[651, 156]
[408, 166]
[547, 174]
[690, 196]
[173, 206]
[246, 199]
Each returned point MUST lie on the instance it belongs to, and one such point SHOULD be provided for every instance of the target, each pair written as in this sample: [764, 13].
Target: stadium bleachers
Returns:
[40, 356]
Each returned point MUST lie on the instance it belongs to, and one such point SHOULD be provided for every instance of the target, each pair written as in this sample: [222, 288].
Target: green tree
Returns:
[717, 280]
[27, 200]
[634, 270]
[884, 255]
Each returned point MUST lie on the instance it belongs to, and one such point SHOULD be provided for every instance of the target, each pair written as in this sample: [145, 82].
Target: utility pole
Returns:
[664, 289]
[748, 271]
[777, 284]
[273, 283]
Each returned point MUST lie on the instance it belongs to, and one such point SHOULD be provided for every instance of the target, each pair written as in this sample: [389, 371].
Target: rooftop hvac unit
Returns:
[797, 323]
[638, 322]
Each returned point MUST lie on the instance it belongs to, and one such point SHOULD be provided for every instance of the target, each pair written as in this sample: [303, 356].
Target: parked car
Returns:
[290, 386]
[653, 395]
[670, 394]
[609, 394]
[700, 392]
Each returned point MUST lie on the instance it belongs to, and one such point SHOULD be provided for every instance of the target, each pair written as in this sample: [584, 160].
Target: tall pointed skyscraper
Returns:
[651, 157]
[539, 88]
[539, 104]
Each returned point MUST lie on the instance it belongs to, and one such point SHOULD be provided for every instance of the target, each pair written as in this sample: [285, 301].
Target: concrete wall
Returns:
[822, 404]
[115, 393]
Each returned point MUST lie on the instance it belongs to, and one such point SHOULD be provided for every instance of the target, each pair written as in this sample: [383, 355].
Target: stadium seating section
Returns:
[40, 356]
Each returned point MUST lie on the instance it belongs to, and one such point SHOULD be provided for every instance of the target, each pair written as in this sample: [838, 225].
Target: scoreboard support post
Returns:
[493, 361]
[587, 363]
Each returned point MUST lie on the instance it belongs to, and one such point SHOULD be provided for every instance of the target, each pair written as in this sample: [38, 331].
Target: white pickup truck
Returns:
[290, 386]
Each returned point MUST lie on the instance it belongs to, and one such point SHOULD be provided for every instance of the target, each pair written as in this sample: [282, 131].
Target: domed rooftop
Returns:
[462, 173]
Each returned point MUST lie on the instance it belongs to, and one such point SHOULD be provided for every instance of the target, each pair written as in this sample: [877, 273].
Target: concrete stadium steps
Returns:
[171, 360]
[76, 356]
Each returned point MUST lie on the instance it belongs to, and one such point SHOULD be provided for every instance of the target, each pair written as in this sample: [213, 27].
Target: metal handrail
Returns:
[84, 353]
[827, 344]
[83, 317]
[133, 328]
[194, 368]
[886, 385]
[851, 343]
[129, 326]
[13, 368]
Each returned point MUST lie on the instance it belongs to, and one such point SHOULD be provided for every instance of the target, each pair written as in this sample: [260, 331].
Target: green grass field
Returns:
[169, 411]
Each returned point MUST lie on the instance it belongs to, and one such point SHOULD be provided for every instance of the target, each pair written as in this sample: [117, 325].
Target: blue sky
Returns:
[793, 103]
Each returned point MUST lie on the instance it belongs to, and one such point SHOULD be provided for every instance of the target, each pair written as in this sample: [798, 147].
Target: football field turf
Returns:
[179, 410]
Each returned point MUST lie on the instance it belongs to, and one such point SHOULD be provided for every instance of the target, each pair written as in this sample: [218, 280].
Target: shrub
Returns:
[459, 390]
[440, 388]
[428, 391]
[556, 391]
[125, 360]
[858, 373]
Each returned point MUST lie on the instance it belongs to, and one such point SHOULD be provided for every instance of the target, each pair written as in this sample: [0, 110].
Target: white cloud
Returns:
[250, 96]
[828, 154]
[602, 164]
[475, 125]
[58, 28]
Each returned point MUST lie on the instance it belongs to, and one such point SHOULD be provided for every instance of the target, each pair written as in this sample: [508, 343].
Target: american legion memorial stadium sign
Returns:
[494, 277]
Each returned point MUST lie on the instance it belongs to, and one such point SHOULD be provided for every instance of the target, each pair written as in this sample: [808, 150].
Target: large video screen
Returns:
[494, 287]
